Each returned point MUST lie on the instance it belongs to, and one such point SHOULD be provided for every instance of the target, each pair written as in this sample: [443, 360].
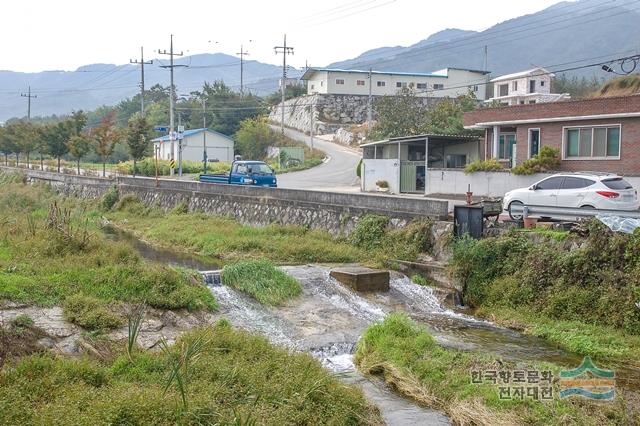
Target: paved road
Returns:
[337, 174]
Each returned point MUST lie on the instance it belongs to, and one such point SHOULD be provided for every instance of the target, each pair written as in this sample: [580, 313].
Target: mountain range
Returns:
[564, 36]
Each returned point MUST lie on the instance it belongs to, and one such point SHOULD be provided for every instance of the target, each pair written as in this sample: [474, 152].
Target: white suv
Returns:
[588, 190]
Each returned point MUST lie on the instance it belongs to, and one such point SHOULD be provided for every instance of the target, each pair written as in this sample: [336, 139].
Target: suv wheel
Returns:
[515, 216]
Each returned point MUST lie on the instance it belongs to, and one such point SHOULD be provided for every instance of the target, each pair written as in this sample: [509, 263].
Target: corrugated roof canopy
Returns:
[455, 138]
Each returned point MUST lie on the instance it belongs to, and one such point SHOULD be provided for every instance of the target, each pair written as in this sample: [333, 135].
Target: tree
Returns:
[400, 115]
[106, 136]
[446, 117]
[6, 145]
[254, 138]
[79, 146]
[138, 135]
[57, 136]
[26, 135]
[290, 92]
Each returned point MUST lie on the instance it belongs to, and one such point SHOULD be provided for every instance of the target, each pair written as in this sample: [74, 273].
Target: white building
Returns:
[219, 147]
[526, 87]
[450, 82]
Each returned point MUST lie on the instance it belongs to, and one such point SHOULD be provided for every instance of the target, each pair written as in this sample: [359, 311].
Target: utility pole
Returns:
[369, 107]
[28, 95]
[242, 54]
[311, 133]
[285, 50]
[204, 133]
[486, 56]
[142, 64]
[172, 94]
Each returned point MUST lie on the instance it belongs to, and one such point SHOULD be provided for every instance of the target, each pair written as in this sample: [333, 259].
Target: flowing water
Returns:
[328, 319]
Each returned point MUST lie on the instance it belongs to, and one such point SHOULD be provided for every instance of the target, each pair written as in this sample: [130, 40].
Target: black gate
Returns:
[468, 220]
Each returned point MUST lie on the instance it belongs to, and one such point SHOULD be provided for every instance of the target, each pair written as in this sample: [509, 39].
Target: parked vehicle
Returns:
[585, 190]
[252, 173]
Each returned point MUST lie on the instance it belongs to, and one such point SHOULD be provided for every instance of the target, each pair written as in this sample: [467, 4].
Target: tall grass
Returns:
[262, 280]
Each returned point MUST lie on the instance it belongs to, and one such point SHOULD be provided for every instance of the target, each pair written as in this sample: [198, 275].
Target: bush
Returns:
[147, 167]
[419, 279]
[110, 198]
[22, 321]
[262, 280]
[489, 165]
[382, 184]
[547, 160]
[90, 313]
[369, 232]
[359, 169]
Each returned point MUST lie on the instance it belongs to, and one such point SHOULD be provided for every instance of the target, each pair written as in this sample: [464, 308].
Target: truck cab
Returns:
[256, 173]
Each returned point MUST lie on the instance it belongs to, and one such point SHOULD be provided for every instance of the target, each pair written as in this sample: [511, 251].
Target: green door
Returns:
[408, 175]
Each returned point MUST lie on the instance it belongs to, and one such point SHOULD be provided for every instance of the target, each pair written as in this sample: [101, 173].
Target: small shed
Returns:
[195, 142]
[404, 162]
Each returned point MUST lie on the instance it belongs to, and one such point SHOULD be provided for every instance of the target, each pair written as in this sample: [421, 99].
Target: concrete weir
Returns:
[362, 279]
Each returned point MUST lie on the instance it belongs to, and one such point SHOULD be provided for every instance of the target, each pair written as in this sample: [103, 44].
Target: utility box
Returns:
[468, 220]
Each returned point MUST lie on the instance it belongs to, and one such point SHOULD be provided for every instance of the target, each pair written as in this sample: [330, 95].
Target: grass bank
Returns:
[51, 250]
[583, 299]
[262, 280]
[230, 378]
[409, 359]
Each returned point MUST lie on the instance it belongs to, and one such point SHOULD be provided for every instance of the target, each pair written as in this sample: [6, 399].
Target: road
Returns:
[337, 174]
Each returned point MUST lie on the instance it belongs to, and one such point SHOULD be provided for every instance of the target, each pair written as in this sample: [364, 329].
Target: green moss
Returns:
[90, 313]
[262, 280]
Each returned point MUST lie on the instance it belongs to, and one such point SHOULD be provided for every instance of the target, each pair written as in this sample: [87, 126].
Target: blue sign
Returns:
[161, 129]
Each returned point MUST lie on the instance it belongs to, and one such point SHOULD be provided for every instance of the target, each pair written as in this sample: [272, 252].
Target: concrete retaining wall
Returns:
[338, 213]
[490, 184]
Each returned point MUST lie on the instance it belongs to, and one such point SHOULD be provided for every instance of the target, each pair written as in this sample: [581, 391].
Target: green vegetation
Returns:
[409, 358]
[621, 86]
[232, 378]
[50, 251]
[419, 279]
[578, 88]
[262, 280]
[90, 313]
[147, 167]
[582, 299]
[548, 159]
[489, 165]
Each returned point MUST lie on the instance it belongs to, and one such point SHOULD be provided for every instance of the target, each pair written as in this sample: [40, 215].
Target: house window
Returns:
[438, 86]
[313, 87]
[514, 86]
[521, 102]
[401, 84]
[339, 81]
[592, 142]
[503, 89]
[381, 83]
[360, 82]
[534, 142]
[532, 86]
[532, 102]
[421, 86]
[505, 147]
[455, 161]
[321, 83]
[475, 88]
[541, 83]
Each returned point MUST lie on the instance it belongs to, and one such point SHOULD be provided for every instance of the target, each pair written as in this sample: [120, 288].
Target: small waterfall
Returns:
[343, 297]
[212, 278]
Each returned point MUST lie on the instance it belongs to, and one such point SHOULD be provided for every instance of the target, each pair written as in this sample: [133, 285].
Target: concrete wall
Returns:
[218, 147]
[375, 170]
[491, 184]
[334, 212]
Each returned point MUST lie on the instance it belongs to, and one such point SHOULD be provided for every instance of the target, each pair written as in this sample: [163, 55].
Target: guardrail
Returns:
[557, 212]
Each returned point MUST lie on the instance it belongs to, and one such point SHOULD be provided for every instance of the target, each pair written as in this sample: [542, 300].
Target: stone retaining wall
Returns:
[337, 213]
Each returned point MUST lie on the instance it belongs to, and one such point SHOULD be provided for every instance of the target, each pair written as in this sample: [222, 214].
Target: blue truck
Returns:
[252, 173]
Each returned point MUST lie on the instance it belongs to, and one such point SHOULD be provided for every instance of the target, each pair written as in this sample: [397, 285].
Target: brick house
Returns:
[599, 134]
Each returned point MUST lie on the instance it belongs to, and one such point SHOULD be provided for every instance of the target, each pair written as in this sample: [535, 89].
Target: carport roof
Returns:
[190, 132]
[403, 139]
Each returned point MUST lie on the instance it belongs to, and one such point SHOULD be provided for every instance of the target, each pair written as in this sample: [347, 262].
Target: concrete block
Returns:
[362, 279]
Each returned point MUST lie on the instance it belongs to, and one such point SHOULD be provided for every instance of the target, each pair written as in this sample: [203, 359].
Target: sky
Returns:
[65, 34]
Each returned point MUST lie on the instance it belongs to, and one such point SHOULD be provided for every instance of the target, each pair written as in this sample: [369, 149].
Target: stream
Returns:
[327, 320]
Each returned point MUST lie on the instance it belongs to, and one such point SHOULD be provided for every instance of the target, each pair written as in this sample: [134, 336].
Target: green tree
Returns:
[138, 136]
[79, 146]
[106, 136]
[289, 92]
[57, 136]
[401, 115]
[6, 144]
[26, 135]
[254, 138]
[446, 116]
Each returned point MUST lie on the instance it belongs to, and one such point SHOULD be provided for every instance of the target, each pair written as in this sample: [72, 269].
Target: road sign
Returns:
[161, 129]
[172, 164]
[180, 129]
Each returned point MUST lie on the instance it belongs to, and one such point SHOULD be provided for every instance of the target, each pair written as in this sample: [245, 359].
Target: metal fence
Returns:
[563, 212]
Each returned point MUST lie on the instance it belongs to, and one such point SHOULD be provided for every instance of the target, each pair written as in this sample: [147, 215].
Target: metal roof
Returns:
[190, 132]
[534, 72]
[421, 137]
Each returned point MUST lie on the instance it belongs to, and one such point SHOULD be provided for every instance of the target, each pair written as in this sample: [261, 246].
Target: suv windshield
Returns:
[617, 183]
[259, 169]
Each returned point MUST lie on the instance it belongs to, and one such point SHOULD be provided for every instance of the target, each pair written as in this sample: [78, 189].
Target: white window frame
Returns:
[529, 140]
[438, 86]
[339, 80]
[360, 83]
[514, 85]
[422, 86]
[381, 83]
[590, 126]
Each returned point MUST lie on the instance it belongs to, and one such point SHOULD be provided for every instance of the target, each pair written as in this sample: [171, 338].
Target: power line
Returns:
[242, 54]
[142, 63]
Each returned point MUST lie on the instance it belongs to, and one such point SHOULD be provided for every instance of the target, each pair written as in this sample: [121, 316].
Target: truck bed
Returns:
[214, 178]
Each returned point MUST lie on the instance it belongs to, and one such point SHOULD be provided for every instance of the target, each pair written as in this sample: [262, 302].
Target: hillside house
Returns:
[219, 147]
[527, 87]
[598, 134]
[450, 82]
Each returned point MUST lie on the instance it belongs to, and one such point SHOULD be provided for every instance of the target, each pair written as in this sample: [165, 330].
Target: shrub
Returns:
[262, 280]
[369, 232]
[22, 321]
[419, 279]
[359, 169]
[90, 313]
[147, 167]
[547, 160]
[382, 184]
[181, 208]
[489, 165]
[110, 198]
[131, 204]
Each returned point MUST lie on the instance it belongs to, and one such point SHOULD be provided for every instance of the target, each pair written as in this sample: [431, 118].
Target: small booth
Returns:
[404, 162]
